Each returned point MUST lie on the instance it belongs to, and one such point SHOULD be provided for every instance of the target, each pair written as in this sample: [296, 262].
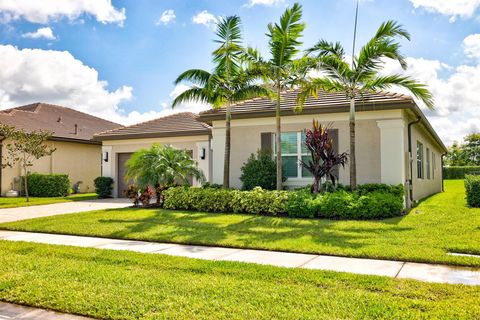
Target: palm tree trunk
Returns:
[226, 164]
[278, 141]
[353, 166]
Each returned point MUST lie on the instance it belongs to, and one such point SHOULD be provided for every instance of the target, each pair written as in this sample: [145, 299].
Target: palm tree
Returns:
[281, 71]
[162, 167]
[228, 83]
[363, 75]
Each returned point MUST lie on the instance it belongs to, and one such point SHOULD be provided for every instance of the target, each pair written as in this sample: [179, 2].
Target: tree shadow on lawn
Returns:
[249, 231]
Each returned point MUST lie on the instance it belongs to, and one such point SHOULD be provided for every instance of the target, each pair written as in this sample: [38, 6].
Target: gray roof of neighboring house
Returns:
[59, 120]
[178, 124]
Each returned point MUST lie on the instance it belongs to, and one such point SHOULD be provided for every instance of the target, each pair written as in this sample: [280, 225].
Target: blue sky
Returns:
[120, 58]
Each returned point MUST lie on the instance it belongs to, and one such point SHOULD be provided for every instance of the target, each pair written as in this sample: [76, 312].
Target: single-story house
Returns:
[72, 131]
[395, 142]
[180, 130]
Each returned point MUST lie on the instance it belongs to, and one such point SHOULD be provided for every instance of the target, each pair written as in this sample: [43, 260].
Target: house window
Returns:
[294, 150]
[420, 173]
[433, 165]
[428, 163]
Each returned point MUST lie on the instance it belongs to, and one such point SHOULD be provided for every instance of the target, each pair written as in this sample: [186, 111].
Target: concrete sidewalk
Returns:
[393, 269]
[45, 210]
[15, 311]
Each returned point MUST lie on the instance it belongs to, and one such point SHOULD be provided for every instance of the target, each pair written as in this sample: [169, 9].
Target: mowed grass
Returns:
[125, 285]
[34, 201]
[437, 226]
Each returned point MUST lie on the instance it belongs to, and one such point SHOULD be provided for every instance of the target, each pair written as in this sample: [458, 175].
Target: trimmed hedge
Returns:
[387, 202]
[472, 190]
[459, 172]
[103, 187]
[48, 185]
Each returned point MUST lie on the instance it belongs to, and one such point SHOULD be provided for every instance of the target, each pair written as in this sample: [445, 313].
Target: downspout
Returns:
[410, 181]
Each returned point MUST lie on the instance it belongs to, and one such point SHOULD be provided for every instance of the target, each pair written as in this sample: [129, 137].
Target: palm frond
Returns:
[197, 76]
[313, 86]
[227, 55]
[324, 48]
[250, 92]
[285, 36]
[194, 94]
[420, 91]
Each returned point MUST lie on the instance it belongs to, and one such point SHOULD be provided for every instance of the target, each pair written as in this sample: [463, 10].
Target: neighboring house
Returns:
[395, 142]
[181, 130]
[76, 153]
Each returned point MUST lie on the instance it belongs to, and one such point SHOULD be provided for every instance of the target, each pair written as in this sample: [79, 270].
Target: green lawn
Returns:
[111, 284]
[34, 201]
[438, 225]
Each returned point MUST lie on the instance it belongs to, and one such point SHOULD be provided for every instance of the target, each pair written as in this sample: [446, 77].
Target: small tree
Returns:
[324, 158]
[162, 167]
[24, 148]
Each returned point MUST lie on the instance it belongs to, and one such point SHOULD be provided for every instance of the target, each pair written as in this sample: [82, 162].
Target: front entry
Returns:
[122, 186]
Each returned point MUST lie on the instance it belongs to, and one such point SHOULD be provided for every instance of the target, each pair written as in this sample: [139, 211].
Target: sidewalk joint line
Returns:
[309, 260]
[400, 270]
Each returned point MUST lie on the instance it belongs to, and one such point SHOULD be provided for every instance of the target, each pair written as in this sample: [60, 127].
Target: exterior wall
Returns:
[194, 143]
[425, 187]
[80, 161]
[246, 135]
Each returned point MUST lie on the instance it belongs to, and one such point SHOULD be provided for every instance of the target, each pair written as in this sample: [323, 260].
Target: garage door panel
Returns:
[122, 158]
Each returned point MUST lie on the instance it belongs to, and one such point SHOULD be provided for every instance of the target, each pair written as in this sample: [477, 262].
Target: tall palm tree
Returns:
[230, 82]
[362, 75]
[282, 70]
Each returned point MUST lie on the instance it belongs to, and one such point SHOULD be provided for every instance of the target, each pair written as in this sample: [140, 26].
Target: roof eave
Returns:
[152, 135]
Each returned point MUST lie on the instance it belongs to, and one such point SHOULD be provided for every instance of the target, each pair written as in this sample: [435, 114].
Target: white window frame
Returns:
[433, 165]
[428, 163]
[299, 155]
[420, 160]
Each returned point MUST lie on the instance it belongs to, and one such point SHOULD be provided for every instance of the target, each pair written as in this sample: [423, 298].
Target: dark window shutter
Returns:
[333, 134]
[266, 142]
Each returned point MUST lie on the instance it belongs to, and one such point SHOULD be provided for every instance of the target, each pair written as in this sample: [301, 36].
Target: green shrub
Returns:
[259, 201]
[48, 185]
[299, 204]
[259, 171]
[396, 190]
[103, 187]
[455, 172]
[472, 190]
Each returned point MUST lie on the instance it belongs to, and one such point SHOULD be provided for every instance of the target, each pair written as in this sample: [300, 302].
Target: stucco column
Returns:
[107, 165]
[392, 151]
[218, 147]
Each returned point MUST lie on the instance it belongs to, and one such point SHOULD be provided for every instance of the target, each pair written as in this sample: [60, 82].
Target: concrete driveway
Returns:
[22, 213]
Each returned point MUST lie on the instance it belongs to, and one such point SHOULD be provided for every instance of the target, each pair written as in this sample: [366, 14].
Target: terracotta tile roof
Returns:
[178, 124]
[59, 120]
[326, 102]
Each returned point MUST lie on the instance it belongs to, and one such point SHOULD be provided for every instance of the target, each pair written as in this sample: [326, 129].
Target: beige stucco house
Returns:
[395, 142]
[76, 153]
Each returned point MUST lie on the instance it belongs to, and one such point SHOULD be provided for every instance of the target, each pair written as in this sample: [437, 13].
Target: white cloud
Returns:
[37, 75]
[46, 10]
[471, 45]
[455, 89]
[205, 18]
[453, 8]
[46, 33]
[268, 3]
[166, 17]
